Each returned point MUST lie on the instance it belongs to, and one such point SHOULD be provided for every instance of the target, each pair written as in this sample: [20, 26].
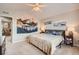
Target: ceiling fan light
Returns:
[36, 8]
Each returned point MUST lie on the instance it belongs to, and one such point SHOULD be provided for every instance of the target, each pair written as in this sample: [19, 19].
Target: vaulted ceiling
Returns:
[51, 9]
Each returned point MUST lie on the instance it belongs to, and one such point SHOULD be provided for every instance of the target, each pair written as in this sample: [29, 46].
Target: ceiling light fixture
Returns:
[36, 6]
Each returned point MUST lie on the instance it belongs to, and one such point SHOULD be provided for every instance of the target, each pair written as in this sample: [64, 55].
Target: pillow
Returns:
[54, 32]
[57, 33]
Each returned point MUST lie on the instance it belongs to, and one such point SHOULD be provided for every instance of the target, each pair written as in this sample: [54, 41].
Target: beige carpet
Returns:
[67, 50]
[24, 48]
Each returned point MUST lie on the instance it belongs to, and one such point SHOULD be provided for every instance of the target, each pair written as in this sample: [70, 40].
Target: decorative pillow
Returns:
[54, 32]
[57, 33]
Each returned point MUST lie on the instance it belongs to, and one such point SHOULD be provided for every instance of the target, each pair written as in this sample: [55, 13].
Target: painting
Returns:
[26, 26]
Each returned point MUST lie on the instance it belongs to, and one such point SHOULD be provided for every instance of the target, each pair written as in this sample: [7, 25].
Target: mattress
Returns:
[46, 42]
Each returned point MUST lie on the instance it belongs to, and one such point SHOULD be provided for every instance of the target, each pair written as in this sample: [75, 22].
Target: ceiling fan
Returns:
[36, 6]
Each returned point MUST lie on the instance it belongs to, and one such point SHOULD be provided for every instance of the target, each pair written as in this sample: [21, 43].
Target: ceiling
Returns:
[51, 9]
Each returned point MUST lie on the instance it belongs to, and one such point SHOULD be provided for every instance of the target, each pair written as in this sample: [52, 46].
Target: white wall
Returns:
[18, 37]
[71, 18]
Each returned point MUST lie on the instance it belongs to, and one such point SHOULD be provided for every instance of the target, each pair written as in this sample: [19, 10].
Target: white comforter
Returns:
[46, 42]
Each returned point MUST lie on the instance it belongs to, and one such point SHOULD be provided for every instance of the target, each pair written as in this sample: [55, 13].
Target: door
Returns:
[6, 26]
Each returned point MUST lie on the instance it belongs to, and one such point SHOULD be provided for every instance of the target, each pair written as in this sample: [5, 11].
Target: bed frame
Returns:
[63, 34]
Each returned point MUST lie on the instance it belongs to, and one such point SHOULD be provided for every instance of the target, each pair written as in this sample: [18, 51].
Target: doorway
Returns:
[6, 26]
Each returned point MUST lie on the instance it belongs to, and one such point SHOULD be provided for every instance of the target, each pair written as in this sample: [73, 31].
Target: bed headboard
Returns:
[55, 28]
[55, 32]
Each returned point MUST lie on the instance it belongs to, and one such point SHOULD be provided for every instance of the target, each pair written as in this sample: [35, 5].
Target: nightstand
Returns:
[69, 39]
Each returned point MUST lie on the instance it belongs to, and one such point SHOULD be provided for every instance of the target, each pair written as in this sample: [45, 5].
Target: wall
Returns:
[16, 37]
[72, 20]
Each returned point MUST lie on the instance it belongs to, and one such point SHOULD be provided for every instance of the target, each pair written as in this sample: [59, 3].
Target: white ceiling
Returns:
[51, 9]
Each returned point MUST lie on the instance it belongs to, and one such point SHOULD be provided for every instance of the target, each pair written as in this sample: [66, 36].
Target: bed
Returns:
[48, 40]
[45, 42]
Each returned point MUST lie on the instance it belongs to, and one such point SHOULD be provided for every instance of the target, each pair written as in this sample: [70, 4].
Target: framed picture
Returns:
[26, 26]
